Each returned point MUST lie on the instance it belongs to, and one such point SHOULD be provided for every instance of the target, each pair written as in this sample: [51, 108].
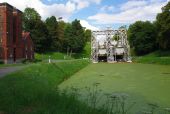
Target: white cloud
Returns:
[58, 10]
[84, 3]
[84, 23]
[134, 12]
[133, 4]
[64, 10]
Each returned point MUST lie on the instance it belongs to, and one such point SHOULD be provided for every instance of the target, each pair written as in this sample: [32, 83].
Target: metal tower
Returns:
[112, 50]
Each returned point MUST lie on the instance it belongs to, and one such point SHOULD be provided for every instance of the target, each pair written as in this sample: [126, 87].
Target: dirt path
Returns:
[7, 70]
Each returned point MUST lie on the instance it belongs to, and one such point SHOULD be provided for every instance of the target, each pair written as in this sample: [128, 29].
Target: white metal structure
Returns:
[103, 44]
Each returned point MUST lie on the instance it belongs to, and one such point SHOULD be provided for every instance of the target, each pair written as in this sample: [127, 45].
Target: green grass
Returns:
[34, 90]
[158, 57]
[143, 83]
[60, 56]
[53, 55]
[152, 60]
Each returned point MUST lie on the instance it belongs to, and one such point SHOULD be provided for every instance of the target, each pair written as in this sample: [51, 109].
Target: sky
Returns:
[95, 14]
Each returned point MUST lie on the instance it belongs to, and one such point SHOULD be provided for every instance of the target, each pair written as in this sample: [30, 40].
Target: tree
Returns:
[61, 27]
[52, 26]
[68, 38]
[142, 37]
[40, 37]
[163, 26]
[74, 37]
[115, 37]
[30, 16]
[32, 23]
[87, 35]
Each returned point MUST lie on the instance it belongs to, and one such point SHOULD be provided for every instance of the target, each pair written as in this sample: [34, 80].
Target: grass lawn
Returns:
[53, 55]
[143, 83]
[157, 57]
[60, 56]
[34, 90]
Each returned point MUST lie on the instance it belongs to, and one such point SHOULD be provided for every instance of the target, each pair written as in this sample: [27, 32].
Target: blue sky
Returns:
[95, 14]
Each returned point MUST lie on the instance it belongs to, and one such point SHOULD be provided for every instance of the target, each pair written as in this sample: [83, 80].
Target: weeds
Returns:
[115, 103]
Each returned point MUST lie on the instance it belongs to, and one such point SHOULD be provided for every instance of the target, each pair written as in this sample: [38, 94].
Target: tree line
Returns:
[54, 34]
[146, 37]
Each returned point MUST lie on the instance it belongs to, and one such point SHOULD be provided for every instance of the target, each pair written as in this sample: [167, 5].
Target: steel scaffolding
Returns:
[121, 47]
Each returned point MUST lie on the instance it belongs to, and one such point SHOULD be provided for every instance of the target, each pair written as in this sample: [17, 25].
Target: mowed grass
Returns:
[143, 83]
[34, 90]
[157, 57]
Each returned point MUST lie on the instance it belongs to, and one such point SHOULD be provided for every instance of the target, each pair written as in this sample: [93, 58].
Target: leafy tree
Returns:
[163, 25]
[52, 26]
[142, 37]
[74, 37]
[68, 37]
[40, 37]
[88, 35]
[30, 16]
[115, 37]
[61, 27]
[122, 27]
[32, 23]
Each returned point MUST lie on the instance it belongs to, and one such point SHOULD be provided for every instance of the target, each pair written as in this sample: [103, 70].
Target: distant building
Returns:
[28, 46]
[13, 42]
[110, 45]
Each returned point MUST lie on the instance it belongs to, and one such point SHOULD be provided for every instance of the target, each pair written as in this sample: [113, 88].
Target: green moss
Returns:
[143, 83]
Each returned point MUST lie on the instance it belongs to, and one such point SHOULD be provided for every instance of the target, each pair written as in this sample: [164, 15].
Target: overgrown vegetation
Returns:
[34, 90]
[112, 103]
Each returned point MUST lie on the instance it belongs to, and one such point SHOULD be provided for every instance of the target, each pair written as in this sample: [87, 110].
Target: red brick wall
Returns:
[28, 46]
[12, 45]
[17, 36]
[6, 34]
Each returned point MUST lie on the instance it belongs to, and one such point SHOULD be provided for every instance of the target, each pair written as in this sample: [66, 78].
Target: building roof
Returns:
[12, 7]
[25, 35]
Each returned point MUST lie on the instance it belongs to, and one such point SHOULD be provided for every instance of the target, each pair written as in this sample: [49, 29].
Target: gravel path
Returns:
[7, 70]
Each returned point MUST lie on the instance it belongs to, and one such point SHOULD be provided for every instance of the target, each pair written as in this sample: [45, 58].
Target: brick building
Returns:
[28, 46]
[13, 44]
